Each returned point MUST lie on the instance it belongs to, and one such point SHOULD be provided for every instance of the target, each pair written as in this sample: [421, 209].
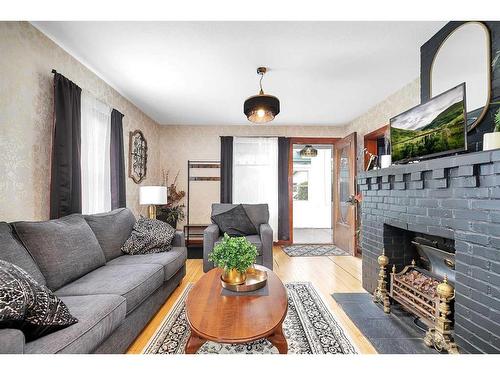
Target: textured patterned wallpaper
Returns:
[27, 58]
[26, 95]
[183, 143]
[378, 116]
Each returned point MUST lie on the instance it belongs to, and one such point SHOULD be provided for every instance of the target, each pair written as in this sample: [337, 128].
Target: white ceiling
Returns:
[200, 73]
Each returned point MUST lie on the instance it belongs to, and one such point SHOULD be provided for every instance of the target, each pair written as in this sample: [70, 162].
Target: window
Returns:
[95, 155]
[255, 174]
[300, 185]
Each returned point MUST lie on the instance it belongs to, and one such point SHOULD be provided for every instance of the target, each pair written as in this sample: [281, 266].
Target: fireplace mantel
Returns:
[455, 197]
[474, 158]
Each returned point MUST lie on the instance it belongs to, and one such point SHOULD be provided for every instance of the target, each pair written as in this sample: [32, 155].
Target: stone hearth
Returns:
[456, 197]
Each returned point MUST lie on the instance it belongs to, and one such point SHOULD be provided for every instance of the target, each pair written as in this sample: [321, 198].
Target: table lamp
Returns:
[152, 195]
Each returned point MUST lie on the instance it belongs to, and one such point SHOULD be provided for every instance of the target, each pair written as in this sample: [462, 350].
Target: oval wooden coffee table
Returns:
[235, 319]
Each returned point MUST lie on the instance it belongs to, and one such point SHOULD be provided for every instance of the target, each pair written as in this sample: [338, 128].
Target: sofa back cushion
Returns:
[64, 249]
[257, 213]
[112, 229]
[12, 251]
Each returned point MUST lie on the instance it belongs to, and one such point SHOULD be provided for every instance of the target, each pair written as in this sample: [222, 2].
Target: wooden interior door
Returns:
[345, 215]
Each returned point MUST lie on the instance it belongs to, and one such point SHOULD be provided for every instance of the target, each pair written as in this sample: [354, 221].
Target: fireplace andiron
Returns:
[441, 335]
[426, 297]
[381, 294]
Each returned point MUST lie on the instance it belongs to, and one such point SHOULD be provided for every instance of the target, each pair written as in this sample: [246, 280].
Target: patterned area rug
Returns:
[312, 250]
[309, 328]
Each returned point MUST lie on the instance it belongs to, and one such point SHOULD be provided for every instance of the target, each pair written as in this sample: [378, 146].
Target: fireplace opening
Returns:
[422, 279]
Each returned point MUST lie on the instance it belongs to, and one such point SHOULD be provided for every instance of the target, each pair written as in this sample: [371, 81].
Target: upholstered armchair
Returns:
[259, 215]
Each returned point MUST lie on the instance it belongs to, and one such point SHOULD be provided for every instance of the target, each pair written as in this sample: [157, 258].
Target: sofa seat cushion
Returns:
[98, 316]
[112, 229]
[253, 239]
[64, 249]
[171, 261]
[135, 282]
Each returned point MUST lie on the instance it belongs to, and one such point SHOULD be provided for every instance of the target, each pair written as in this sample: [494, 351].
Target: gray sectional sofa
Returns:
[112, 295]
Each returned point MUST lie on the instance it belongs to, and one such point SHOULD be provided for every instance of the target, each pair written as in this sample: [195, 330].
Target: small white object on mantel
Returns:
[491, 141]
[385, 161]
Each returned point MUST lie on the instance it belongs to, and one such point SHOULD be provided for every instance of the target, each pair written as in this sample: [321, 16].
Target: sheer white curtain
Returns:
[95, 155]
[255, 174]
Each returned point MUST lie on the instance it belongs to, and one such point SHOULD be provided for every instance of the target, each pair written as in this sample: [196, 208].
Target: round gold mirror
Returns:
[464, 56]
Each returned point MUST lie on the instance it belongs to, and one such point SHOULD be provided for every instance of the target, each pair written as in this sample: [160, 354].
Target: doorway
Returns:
[323, 208]
[312, 192]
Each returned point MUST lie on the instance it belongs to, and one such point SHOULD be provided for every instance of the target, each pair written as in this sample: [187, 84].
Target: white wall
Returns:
[316, 212]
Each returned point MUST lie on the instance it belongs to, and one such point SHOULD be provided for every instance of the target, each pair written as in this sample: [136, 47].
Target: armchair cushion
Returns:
[235, 222]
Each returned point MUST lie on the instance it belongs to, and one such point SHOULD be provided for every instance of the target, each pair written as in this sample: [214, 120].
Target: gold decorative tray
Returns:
[256, 279]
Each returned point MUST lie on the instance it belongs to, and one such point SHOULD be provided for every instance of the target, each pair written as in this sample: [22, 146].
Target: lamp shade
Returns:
[261, 108]
[308, 152]
[153, 195]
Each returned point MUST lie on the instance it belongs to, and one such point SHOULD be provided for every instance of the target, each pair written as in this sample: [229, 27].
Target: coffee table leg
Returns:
[194, 343]
[278, 340]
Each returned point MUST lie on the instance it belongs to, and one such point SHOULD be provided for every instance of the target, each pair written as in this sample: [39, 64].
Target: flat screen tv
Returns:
[432, 129]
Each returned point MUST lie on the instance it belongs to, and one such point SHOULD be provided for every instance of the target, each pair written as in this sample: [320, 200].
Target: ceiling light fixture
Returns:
[308, 152]
[261, 108]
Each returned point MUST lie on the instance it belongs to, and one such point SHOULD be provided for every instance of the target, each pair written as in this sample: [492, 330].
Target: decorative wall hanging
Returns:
[138, 156]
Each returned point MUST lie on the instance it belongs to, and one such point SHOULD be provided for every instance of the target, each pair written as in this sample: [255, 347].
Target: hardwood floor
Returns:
[328, 275]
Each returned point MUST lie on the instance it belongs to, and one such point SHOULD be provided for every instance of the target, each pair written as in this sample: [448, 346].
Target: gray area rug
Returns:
[312, 250]
[309, 328]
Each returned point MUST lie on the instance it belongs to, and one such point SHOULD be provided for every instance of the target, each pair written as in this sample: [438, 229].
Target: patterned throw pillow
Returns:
[29, 306]
[149, 236]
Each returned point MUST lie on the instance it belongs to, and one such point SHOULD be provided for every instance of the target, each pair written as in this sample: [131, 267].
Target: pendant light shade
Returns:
[261, 108]
[308, 152]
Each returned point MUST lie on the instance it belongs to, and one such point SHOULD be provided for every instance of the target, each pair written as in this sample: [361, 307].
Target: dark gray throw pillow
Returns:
[149, 236]
[235, 222]
[29, 306]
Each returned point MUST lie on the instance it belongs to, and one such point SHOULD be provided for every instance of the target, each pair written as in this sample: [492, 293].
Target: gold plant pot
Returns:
[234, 277]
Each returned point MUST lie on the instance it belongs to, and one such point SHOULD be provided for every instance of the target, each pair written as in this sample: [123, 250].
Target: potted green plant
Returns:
[235, 255]
[491, 141]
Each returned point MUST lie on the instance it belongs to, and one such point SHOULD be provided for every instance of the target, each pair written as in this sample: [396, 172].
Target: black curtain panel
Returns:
[65, 184]
[283, 189]
[117, 158]
[226, 169]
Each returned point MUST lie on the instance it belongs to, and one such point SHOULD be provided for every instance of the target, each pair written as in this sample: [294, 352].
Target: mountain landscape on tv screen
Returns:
[444, 133]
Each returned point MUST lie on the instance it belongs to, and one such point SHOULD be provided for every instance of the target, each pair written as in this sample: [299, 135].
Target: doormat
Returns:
[312, 250]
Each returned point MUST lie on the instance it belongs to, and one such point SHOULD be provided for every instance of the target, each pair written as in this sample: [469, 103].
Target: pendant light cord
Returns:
[260, 83]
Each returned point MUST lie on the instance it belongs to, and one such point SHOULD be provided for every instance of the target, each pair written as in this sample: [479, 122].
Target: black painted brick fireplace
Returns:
[455, 197]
